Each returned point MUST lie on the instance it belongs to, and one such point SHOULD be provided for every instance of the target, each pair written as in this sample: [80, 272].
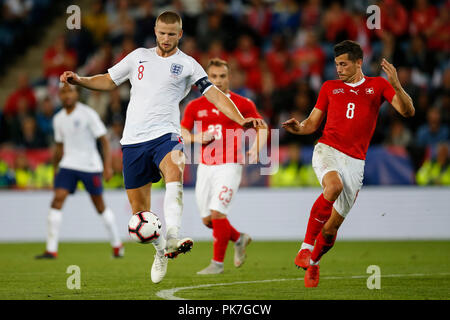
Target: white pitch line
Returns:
[169, 294]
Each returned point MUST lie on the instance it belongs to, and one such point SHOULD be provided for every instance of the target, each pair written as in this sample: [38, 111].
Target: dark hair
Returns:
[169, 17]
[348, 46]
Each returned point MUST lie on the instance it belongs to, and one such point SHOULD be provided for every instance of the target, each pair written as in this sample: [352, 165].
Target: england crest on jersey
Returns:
[176, 69]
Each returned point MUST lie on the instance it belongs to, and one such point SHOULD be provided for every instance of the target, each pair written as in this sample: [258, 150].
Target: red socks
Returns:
[320, 213]
[322, 246]
[223, 231]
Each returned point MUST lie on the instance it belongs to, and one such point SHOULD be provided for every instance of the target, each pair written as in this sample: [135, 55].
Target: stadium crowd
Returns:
[280, 52]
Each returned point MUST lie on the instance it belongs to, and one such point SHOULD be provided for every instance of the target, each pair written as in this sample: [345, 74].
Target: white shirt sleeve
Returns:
[96, 125]
[57, 131]
[197, 72]
[120, 72]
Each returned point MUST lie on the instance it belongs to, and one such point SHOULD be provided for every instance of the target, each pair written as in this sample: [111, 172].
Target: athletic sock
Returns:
[234, 234]
[221, 235]
[54, 219]
[322, 246]
[320, 213]
[160, 245]
[110, 223]
[173, 208]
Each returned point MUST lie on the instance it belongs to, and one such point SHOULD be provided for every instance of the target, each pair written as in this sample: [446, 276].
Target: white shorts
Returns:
[351, 171]
[216, 186]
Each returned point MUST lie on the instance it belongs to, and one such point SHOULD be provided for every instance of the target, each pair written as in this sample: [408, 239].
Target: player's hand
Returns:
[204, 137]
[292, 125]
[248, 123]
[391, 72]
[107, 173]
[69, 77]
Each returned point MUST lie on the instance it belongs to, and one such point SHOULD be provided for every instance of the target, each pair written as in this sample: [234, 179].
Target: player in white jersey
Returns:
[77, 128]
[160, 78]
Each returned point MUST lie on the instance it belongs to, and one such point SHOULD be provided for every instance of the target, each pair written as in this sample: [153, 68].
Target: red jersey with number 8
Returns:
[352, 113]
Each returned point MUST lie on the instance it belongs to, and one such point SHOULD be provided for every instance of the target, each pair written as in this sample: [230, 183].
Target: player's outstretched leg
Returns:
[320, 213]
[159, 266]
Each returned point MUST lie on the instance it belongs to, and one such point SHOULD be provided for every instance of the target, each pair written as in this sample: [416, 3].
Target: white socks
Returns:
[173, 208]
[54, 219]
[160, 245]
[110, 223]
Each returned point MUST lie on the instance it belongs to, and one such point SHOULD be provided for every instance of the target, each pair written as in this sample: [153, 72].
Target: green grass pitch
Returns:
[409, 270]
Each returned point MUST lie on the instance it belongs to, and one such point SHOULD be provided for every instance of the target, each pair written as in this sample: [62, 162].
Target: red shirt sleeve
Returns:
[387, 90]
[322, 100]
[188, 116]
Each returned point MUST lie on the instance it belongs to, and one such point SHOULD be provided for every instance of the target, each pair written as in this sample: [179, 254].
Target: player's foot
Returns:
[213, 268]
[176, 246]
[47, 255]
[118, 252]
[239, 249]
[302, 259]
[312, 276]
[159, 268]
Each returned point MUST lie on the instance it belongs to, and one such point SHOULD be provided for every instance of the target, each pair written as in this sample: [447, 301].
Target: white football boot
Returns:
[159, 268]
[239, 249]
[213, 268]
[176, 246]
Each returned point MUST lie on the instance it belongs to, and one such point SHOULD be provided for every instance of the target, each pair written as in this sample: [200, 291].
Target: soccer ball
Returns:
[144, 227]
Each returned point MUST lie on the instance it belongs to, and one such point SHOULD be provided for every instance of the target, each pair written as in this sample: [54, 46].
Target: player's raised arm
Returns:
[101, 82]
[201, 137]
[228, 108]
[402, 102]
[307, 126]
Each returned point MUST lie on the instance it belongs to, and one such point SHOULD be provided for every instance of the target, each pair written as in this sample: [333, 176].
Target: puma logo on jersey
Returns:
[354, 91]
[215, 111]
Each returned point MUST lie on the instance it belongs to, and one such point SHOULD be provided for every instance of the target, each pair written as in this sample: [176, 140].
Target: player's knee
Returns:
[333, 190]
[217, 215]
[207, 222]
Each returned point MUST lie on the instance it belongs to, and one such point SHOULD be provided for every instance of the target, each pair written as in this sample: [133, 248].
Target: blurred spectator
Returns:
[215, 50]
[96, 21]
[259, 17]
[23, 92]
[145, 25]
[23, 175]
[210, 28]
[439, 32]
[421, 59]
[116, 181]
[44, 119]
[399, 135]
[115, 134]
[247, 57]
[394, 18]
[279, 62]
[128, 46]
[59, 58]
[434, 131]
[116, 108]
[99, 101]
[437, 171]
[6, 175]
[338, 24]
[286, 17]
[294, 173]
[99, 62]
[30, 136]
[422, 17]
[309, 59]
[311, 13]
[16, 11]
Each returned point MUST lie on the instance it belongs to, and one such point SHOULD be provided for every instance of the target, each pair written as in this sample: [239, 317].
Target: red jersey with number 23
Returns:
[352, 113]
[206, 117]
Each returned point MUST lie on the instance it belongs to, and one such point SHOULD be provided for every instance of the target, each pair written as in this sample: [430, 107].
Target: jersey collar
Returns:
[357, 83]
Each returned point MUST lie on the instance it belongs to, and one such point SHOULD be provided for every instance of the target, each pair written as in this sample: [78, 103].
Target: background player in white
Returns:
[160, 78]
[77, 128]
[219, 173]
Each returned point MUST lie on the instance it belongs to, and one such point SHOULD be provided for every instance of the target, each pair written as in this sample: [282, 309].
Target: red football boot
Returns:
[302, 259]
[312, 276]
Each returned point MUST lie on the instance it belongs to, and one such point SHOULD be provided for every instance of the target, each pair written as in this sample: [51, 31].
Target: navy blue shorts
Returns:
[141, 160]
[68, 179]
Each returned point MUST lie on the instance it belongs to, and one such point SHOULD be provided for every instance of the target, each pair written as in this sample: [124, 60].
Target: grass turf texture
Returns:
[102, 277]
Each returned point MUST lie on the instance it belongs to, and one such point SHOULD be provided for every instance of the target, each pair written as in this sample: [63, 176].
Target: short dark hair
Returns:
[348, 46]
[217, 62]
[169, 17]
